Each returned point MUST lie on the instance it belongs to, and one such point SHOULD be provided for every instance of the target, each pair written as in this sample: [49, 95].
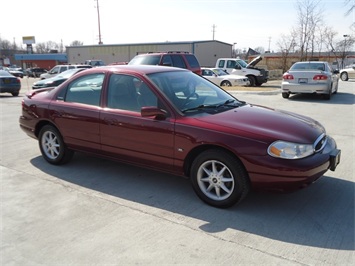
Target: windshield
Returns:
[145, 60]
[308, 66]
[67, 74]
[219, 72]
[190, 93]
[242, 63]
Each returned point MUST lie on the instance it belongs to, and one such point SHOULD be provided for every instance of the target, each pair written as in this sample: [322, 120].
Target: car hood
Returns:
[45, 81]
[266, 124]
[255, 61]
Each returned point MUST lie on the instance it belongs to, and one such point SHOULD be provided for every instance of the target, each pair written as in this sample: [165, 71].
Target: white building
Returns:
[207, 52]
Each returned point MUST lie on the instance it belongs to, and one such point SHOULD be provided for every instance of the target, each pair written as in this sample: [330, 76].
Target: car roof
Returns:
[141, 69]
[166, 52]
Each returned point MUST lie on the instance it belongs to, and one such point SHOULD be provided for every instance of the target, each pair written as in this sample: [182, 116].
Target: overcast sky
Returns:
[249, 23]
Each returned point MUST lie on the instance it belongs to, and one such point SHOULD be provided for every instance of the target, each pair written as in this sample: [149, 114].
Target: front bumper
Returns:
[267, 173]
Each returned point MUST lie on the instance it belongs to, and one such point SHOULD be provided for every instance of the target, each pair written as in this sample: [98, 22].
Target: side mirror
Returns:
[237, 67]
[152, 111]
[336, 71]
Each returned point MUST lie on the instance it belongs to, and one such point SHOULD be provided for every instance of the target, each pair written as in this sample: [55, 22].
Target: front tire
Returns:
[344, 76]
[252, 81]
[226, 83]
[219, 179]
[52, 146]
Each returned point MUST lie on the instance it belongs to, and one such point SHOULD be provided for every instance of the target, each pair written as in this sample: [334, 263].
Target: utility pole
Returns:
[269, 44]
[98, 19]
[213, 31]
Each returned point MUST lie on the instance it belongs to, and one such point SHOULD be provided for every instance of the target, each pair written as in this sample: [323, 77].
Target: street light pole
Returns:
[234, 52]
[344, 54]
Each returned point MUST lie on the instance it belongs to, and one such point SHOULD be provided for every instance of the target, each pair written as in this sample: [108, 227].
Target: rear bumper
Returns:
[321, 88]
[10, 89]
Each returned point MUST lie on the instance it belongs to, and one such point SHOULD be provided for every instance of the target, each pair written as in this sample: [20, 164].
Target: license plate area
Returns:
[302, 80]
[334, 159]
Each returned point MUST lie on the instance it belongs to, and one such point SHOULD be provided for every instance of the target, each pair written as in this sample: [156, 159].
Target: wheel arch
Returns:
[225, 81]
[199, 149]
[41, 124]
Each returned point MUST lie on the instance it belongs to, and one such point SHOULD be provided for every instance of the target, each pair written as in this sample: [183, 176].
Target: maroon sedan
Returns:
[173, 120]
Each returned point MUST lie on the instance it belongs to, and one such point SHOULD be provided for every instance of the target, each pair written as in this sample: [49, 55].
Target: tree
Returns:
[286, 45]
[5, 44]
[350, 10]
[44, 48]
[309, 19]
[76, 43]
[259, 49]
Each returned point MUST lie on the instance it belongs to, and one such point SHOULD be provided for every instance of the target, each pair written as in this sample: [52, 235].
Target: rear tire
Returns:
[219, 179]
[15, 93]
[328, 96]
[285, 95]
[52, 146]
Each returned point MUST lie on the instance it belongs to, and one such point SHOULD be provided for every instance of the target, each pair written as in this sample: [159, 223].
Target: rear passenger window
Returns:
[167, 61]
[191, 59]
[86, 90]
[178, 61]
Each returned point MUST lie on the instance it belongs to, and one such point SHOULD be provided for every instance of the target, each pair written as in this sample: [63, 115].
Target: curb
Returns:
[273, 92]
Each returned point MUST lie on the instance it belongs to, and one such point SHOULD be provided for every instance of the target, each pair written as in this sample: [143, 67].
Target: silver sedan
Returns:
[310, 77]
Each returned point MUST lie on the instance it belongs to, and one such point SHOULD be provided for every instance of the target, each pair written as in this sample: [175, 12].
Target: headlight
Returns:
[289, 150]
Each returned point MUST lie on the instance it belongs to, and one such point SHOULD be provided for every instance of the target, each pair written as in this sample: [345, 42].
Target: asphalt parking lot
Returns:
[98, 212]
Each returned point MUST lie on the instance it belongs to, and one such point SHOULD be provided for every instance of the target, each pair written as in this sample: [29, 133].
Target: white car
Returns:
[347, 73]
[219, 77]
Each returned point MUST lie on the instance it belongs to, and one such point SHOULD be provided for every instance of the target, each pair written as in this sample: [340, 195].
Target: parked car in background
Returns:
[173, 120]
[219, 77]
[9, 83]
[310, 77]
[348, 73]
[56, 80]
[61, 68]
[184, 60]
[17, 72]
[94, 63]
[35, 71]
[237, 66]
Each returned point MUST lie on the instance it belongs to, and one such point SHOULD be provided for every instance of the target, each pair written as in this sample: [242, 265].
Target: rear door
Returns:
[76, 112]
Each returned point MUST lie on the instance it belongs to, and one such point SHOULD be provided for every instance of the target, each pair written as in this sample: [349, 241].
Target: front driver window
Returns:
[86, 90]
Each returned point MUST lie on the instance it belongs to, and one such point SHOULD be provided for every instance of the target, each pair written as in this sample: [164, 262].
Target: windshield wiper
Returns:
[202, 106]
[226, 102]
[211, 106]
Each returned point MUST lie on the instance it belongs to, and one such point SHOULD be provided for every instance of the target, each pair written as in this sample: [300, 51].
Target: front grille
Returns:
[320, 143]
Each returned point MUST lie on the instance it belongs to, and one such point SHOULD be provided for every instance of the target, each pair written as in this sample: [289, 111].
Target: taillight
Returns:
[320, 77]
[18, 80]
[287, 76]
